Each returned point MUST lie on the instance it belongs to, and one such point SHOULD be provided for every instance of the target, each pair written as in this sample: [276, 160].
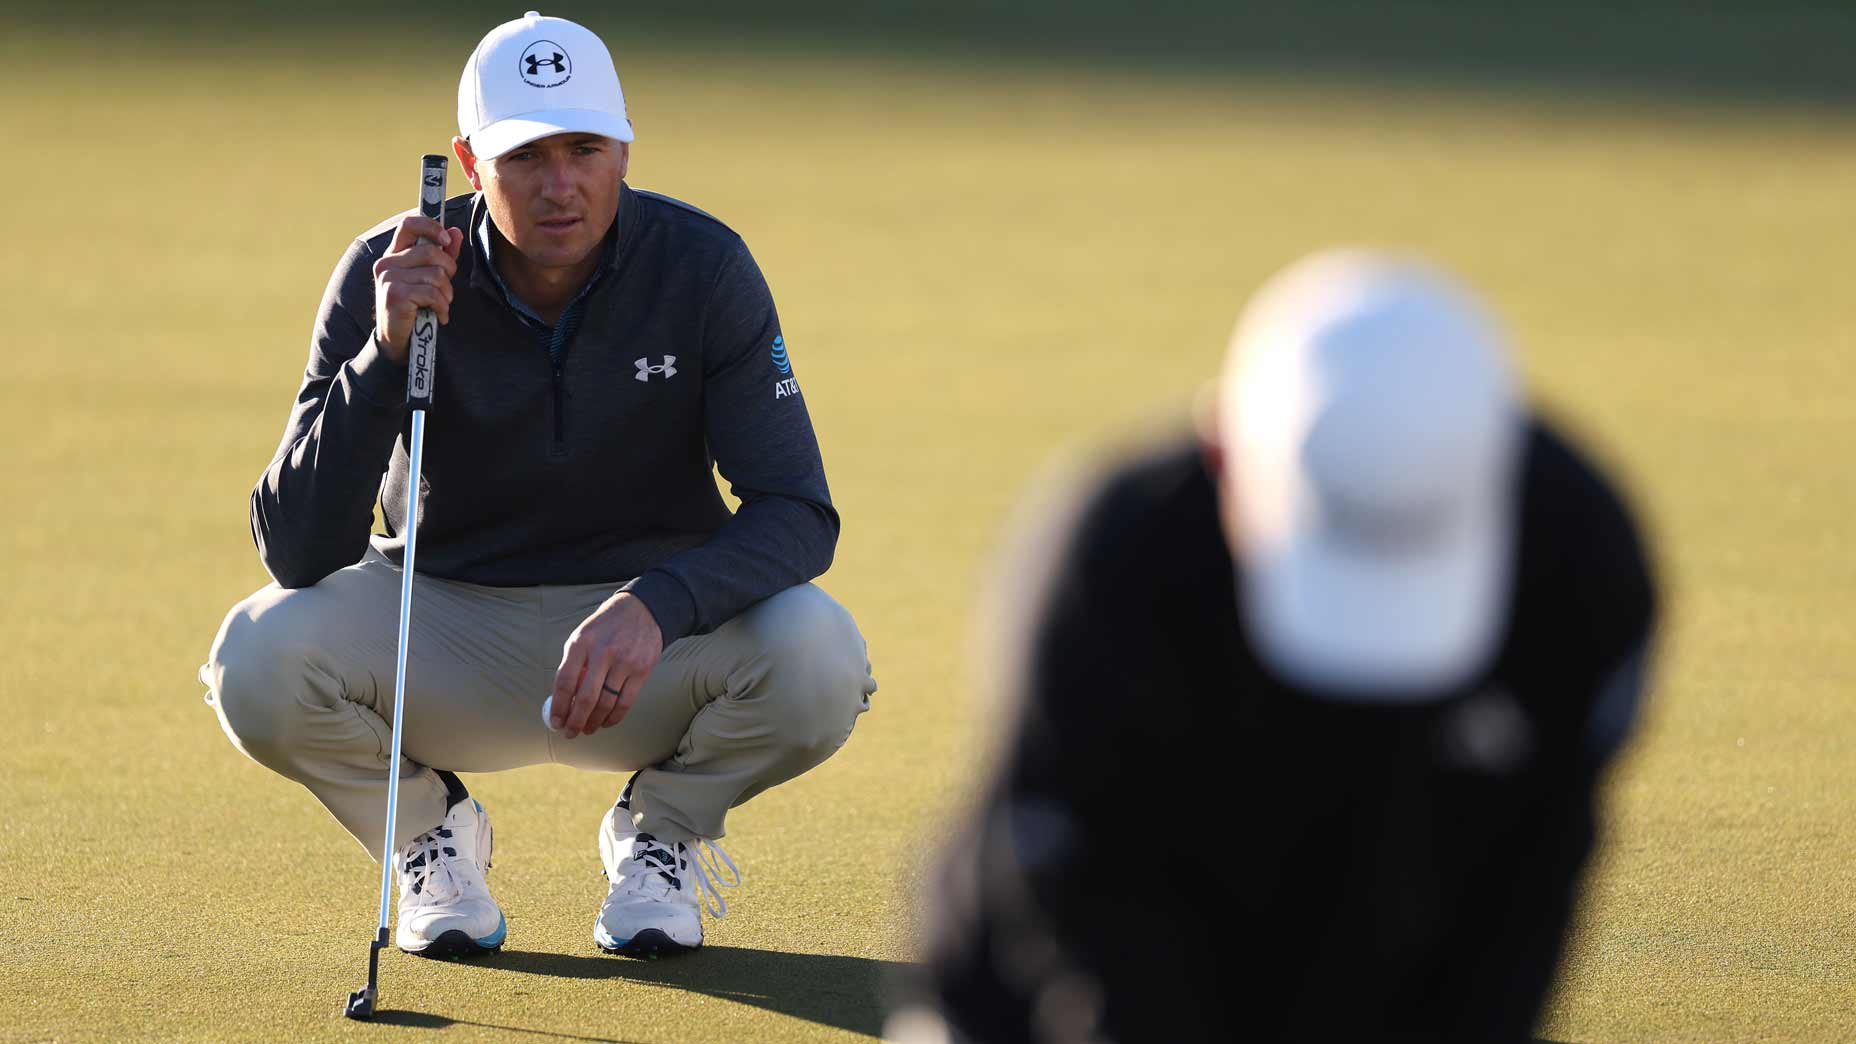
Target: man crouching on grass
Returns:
[605, 347]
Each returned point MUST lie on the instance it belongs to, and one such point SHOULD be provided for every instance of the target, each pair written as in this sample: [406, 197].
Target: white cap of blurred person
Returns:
[538, 76]
[1370, 429]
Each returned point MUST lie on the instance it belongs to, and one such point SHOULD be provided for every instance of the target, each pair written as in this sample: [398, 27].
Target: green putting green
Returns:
[981, 265]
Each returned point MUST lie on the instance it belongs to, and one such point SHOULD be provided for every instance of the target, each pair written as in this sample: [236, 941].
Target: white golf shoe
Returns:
[445, 907]
[657, 890]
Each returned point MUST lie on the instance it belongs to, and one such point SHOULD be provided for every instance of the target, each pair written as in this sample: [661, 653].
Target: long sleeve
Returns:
[761, 437]
[313, 506]
[1050, 912]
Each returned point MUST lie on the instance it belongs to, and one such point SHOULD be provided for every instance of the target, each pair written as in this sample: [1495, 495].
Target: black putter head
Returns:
[361, 1003]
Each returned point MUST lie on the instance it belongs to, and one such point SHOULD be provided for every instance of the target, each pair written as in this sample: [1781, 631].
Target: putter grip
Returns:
[422, 353]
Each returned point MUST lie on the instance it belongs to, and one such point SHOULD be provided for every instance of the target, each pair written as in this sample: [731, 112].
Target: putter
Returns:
[422, 353]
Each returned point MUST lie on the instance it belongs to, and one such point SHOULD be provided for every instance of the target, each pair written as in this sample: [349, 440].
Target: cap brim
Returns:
[1379, 625]
[505, 134]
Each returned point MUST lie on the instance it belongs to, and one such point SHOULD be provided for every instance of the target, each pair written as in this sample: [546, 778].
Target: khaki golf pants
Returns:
[303, 683]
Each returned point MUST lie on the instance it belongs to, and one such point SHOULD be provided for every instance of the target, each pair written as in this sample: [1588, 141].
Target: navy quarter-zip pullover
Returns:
[588, 463]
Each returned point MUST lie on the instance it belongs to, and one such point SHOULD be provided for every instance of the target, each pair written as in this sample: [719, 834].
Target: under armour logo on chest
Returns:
[668, 368]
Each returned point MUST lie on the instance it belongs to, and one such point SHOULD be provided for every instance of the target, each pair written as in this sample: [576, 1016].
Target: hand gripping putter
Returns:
[422, 352]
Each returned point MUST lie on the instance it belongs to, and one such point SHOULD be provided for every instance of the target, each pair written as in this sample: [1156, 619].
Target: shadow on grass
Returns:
[830, 990]
[423, 1020]
[840, 992]
[427, 1020]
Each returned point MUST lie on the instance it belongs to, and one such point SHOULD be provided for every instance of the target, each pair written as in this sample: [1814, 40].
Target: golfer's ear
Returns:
[467, 161]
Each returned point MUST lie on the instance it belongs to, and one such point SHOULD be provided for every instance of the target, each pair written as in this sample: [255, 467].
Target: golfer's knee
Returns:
[252, 674]
[819, 678]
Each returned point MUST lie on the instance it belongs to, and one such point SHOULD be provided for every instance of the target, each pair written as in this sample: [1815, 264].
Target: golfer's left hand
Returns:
[604, 664]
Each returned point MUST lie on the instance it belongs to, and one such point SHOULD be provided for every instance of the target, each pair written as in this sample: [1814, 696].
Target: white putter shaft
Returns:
[421, 355]
[399, 661]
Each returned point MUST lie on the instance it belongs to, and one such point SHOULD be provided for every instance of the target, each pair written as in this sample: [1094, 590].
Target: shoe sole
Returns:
[647, 945]
[456, 945]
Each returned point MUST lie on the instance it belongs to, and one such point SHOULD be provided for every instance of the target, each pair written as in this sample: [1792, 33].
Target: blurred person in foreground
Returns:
[606, 350]
[1306, 718]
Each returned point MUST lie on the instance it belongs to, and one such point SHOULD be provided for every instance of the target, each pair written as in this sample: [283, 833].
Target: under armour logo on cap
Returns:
[545, 54]
[668, 368]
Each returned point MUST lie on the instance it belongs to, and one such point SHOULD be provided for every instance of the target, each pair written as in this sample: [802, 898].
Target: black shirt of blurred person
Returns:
[1178, 846]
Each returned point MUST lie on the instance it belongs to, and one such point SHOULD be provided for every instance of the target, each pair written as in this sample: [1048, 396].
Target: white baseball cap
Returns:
[1372, 431]
[538, 76]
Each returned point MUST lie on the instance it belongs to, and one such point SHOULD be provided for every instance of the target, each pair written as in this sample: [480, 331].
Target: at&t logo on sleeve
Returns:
[786, 385]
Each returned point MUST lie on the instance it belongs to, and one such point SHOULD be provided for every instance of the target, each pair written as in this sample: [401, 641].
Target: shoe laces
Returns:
[710, 858]
[654, 861]
[425, 865]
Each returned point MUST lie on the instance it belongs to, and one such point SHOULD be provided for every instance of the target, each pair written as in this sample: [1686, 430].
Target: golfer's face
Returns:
[555, 198]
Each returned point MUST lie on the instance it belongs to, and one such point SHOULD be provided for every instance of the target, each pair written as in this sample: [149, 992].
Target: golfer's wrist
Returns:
[377, 375]
[670, 604]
